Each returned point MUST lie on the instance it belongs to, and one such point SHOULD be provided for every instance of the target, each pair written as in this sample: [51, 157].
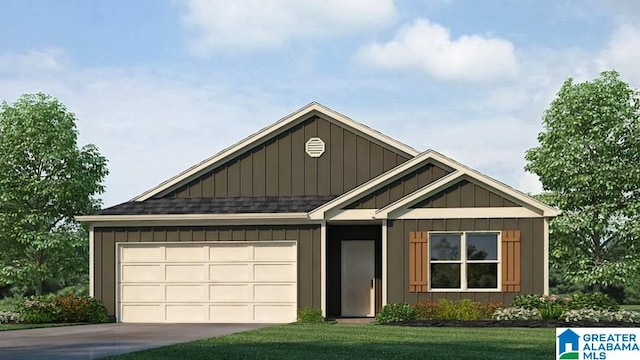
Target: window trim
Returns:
[463, 261]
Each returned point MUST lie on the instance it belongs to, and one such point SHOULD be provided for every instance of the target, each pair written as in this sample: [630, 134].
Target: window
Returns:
[463, 261]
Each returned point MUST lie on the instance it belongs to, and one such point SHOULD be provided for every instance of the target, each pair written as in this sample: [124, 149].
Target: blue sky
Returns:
[159, 85]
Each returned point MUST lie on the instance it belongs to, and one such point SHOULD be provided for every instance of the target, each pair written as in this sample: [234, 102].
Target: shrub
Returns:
[486, 309]
[596, 300]
[551, 311]
[464, 309]
[517, 313]
[69, 308]
[425, 309]
[38, 310]
[81, 309]
[9, 317]
[396, 312]
[601, 315]
[310, 315]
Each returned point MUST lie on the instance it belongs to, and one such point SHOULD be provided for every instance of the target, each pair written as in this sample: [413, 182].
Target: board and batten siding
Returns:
[531, 260]
[404, 186]
[465, 194]
[307, 237]
[281, 167]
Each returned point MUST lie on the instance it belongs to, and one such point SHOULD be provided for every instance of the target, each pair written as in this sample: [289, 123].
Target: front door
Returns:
[357, 278]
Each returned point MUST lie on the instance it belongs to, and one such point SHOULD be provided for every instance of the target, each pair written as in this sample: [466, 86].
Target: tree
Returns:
[45, 180]
[588, 160]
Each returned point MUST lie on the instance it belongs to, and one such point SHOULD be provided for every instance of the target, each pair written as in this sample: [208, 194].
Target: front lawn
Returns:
[4, 327]
[365, 342]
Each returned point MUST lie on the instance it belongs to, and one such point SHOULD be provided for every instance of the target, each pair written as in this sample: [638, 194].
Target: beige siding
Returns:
[280, 166]
[531, 262]
[308, 238]
[465, 194]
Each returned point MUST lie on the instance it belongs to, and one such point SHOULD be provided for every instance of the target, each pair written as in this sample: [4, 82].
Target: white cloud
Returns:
[49, 60]
[622, 53]
[428, 47]
[261, 24]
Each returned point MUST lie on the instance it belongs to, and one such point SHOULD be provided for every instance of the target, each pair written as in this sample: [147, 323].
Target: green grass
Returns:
[630, 307]
[6, 327]
[365, 342]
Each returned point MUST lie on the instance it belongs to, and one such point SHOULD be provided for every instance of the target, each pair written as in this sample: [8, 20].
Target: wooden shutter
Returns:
[418, 261]
[511, 261]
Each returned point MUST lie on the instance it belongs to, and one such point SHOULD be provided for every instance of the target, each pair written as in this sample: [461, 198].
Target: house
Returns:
[316, 210]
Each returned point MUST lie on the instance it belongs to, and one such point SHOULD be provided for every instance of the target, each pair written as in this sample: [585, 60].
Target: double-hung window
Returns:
[464, 261]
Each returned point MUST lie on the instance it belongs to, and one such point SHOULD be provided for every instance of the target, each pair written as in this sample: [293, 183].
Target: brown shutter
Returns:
[511, 261]
[418, 261]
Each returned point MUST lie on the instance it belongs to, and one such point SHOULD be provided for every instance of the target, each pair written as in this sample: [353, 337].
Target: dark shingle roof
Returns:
[229, 205]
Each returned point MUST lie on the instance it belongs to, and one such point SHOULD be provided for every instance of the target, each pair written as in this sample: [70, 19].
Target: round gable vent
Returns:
[314, 147]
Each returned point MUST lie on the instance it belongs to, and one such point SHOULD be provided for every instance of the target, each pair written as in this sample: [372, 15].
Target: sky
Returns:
[159, 85]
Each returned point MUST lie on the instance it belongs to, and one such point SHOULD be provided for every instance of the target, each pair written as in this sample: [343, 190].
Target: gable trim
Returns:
[463, 171]
[466, 213]
[381, 180]
[265, 134]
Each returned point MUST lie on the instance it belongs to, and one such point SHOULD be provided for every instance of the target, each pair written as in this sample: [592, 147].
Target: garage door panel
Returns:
[231, 252]
[186, 313]
[207, 282]
[230, 272]
[186, 253]
[275, 272]
[274, 293]
[142, 254]
[231, 313]
[275, 252]
[142, 293]
[142, 313]
[186, 293]
[274, 313]
[230, 293]
[194, 272]
[142, 273]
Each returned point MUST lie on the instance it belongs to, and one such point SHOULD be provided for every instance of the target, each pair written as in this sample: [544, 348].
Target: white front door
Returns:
[357, 278]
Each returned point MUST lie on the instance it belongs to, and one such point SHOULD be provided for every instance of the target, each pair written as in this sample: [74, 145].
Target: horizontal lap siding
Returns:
[465, 194]
[531, 261]
[281, 167]
[308, 238]
[401, 187]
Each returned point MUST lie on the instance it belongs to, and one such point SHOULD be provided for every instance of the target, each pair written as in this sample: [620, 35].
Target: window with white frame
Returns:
[463, 260]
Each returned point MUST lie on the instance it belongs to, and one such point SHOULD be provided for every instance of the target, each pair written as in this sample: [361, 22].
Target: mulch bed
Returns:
[513, 323]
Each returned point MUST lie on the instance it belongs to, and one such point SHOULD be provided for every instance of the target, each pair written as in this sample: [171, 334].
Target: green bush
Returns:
[396, 312]
[464, 309]
[38, 310]
[595, 301]
[61, 309]
[527, 301]
[310, 315]
[551, 311]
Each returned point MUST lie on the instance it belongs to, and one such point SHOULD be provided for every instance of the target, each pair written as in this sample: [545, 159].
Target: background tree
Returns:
[45, 180]
[588, 160]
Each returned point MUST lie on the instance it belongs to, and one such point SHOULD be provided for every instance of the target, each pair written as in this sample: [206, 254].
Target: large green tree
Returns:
[588, 160]
[45, 180]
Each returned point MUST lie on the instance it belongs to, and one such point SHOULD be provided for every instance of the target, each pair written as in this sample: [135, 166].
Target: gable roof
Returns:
[459, 171]
[269, 132]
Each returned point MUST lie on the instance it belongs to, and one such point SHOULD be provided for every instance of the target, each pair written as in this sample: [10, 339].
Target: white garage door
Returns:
[222, 282]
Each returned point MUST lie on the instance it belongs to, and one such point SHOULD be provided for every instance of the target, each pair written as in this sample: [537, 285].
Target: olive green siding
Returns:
[531, 262]
[404, 186]
[281, 167]
[307, 236]
[465, 194]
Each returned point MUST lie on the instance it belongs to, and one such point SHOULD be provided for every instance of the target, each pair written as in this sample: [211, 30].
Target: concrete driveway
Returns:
[95, 341]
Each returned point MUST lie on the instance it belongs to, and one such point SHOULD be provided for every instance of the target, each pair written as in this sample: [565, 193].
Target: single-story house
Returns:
[315, 210]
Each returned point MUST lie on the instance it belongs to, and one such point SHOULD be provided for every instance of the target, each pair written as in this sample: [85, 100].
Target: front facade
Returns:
[316, 210]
